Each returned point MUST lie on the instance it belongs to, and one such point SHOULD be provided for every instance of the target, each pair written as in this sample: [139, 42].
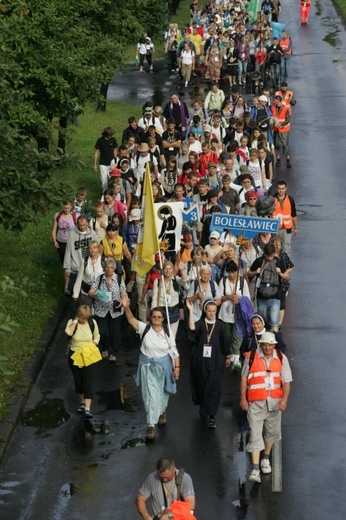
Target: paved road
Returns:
[56, 473]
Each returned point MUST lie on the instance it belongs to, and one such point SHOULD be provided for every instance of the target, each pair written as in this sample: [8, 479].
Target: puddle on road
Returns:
[332, 38]
[48, 413]
[133, 443]
[66, 492]
[6, 487]
[84, 432]
[242, 503]
[318, 11]
[116, 400]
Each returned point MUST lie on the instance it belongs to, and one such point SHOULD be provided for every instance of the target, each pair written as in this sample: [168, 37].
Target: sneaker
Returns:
[81, 408]
[87, 414]
[186, 83]
[255, 476]
[265, 466]
[212, 422]
[150, 435]
[289, 165]
[278, 163]
[236, 367]
[162, 419]
[105, 354]
[112, 358]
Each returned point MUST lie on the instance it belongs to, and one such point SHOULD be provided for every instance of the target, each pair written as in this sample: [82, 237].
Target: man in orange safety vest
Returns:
[264, 389]
[282, 127]
[287, 49]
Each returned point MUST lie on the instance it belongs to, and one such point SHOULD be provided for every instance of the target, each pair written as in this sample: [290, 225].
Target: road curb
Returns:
[30, 374]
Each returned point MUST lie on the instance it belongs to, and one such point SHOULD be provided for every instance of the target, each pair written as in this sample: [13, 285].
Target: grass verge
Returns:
[341, 8]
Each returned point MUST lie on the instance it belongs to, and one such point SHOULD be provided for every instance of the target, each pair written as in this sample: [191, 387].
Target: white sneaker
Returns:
[236, 367]
[265, 466]
[255, 476]
[186, 83]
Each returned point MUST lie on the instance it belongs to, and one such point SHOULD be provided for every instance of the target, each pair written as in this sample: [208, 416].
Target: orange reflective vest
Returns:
[256, 379]
[286, 98]
[280, 113]
[284, 44]
[284, 212]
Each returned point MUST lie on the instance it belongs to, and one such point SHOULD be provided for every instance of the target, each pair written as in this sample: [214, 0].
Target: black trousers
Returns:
[110, 329]
[83, 378]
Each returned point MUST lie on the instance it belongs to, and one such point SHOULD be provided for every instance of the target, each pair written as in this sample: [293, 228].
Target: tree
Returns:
[56, 54]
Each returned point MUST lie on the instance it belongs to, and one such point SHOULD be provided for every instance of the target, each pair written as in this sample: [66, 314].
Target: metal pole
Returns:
[277, 467]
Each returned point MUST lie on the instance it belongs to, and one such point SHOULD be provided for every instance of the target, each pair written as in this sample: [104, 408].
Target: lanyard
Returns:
[167, 492]
[209, 335]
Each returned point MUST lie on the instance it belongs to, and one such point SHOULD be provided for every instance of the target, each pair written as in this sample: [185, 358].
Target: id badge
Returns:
[109, 296]
[269, 383]
[168, 299]
[258, 282]
[216, 59]
[171, 149]
[173, 353]
[207, 351]
[280, 217]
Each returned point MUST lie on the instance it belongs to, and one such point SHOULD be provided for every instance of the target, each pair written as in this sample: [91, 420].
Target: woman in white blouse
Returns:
[187, 63]
[90, 269]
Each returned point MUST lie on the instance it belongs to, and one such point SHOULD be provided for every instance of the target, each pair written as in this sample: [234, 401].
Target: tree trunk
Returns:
[101, 107]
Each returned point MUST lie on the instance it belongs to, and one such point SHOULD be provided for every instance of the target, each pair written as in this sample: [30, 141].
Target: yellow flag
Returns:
[147, 242]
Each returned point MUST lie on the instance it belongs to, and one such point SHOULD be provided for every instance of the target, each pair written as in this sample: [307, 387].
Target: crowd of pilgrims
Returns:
[218, 153]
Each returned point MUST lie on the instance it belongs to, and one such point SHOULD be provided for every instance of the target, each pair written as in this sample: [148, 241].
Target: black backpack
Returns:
[211, 284]
[148, 326]
[270, 281]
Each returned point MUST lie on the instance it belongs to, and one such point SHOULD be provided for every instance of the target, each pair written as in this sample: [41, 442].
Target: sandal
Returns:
[150, 434]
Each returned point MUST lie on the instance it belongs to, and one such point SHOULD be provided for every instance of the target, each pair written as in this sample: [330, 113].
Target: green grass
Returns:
[183, 14]
[341, 8]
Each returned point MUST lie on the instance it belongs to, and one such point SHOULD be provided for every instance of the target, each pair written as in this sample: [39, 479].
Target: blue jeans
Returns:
[242, 68]
[270, 308]
[284, 68]
[275, 73]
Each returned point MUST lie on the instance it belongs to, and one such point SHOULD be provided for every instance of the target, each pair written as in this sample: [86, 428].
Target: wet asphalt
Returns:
[60, 472]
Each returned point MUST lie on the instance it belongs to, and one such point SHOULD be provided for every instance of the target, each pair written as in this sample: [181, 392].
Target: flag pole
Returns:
[164, 293]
